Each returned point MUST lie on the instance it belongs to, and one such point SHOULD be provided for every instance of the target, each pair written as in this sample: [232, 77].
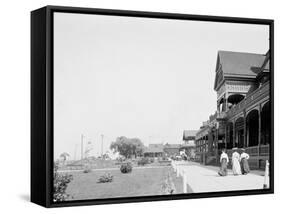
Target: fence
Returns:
[180, 171]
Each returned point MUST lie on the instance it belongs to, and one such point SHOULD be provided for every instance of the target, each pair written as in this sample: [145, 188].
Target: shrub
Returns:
[143, 161]
[126, 167]
[61, 182]
[87, 169]
[106, 178]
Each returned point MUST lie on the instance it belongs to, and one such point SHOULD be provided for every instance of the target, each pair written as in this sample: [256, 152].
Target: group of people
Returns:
[240, 163]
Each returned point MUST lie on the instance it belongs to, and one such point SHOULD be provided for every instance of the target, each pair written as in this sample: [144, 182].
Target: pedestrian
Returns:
[236, 162]
[245, 169]
[224, 161]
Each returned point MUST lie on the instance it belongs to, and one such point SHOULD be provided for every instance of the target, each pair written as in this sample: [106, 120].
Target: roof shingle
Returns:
[239, 64]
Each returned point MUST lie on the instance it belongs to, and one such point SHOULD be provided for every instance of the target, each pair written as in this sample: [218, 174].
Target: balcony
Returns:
[221, 115]
[251, 98]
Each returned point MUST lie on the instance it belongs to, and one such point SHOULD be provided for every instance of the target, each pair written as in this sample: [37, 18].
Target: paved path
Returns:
[202, 179]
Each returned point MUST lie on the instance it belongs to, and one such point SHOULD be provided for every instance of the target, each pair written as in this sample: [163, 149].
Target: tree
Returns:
[127, 146]
[137, 147]
[64, 156]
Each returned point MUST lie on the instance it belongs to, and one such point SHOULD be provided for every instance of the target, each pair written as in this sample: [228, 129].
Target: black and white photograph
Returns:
[151, 107]
[139, 107]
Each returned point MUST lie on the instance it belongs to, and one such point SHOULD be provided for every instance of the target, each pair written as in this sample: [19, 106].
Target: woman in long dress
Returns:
[224, 161]
[236, 162]
[245, 169]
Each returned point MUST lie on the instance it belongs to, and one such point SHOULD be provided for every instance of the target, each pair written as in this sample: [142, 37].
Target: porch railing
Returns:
[262, 150]
[264, 89]
[253, 151]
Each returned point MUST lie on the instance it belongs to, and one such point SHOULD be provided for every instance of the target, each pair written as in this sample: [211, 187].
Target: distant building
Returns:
[243, 111]
[162, 150]
[154, 150]
[189, 143]
[172, 149]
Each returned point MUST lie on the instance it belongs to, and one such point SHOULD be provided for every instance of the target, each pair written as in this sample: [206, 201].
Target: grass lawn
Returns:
[140, 182]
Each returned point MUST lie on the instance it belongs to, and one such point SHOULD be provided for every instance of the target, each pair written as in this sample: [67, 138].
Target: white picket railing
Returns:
[266, 175]
[179, 169]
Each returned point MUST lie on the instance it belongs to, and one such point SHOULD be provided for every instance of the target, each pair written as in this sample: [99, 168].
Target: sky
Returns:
[137, 77]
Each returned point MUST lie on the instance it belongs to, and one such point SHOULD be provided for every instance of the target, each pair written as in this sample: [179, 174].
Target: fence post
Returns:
[266, 175]
[184, 176]
[174, 166]
[178, 170]
[181, 170]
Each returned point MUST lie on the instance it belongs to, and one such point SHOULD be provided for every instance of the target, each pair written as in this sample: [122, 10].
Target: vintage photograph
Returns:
[150, 106]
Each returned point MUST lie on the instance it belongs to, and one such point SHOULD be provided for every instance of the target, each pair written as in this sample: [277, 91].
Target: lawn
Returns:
[140, 182]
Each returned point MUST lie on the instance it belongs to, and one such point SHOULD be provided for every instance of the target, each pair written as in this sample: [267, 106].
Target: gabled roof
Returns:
[172, 146]
[264, 70]
[189, 134]
[265, 65]
[154, 148]
[187, 145]
[238, 64]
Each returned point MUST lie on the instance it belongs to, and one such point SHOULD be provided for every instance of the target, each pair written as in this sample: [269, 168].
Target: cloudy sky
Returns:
[138, 77]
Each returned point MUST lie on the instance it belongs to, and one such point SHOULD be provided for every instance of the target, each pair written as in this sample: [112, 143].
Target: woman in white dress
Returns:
[236, 168]
[245, 169]
[224, 161]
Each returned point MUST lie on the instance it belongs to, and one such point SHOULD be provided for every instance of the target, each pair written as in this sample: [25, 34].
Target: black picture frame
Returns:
[42, 103]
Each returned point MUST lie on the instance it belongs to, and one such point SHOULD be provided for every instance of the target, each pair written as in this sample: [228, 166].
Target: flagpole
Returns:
[82, 136]
[102, 145]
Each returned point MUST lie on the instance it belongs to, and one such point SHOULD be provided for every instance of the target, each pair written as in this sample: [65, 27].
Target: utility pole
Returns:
[75, 151]
[102, 145]
[149, 139]
[82, 136]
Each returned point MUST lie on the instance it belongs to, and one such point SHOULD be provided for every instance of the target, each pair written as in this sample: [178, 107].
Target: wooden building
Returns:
[172, 149]
[189, 143]
[243, 113]
[154, 150]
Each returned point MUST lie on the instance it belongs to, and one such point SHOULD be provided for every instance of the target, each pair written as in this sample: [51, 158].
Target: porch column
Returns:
[245, 130]
[207, 144]
[216, 144]
[210, 140]
[234, 134]
[204, 144]
[259, 139]
[225, 135]
[226, 102]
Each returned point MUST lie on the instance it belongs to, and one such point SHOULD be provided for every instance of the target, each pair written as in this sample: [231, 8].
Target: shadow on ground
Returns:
[24, 197]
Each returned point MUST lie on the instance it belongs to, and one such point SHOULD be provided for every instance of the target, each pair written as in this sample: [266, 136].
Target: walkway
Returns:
[202, 179]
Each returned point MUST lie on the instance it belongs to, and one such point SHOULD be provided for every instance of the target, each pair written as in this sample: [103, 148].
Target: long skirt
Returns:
[245, 169]
[236, 167]
[223, 169]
